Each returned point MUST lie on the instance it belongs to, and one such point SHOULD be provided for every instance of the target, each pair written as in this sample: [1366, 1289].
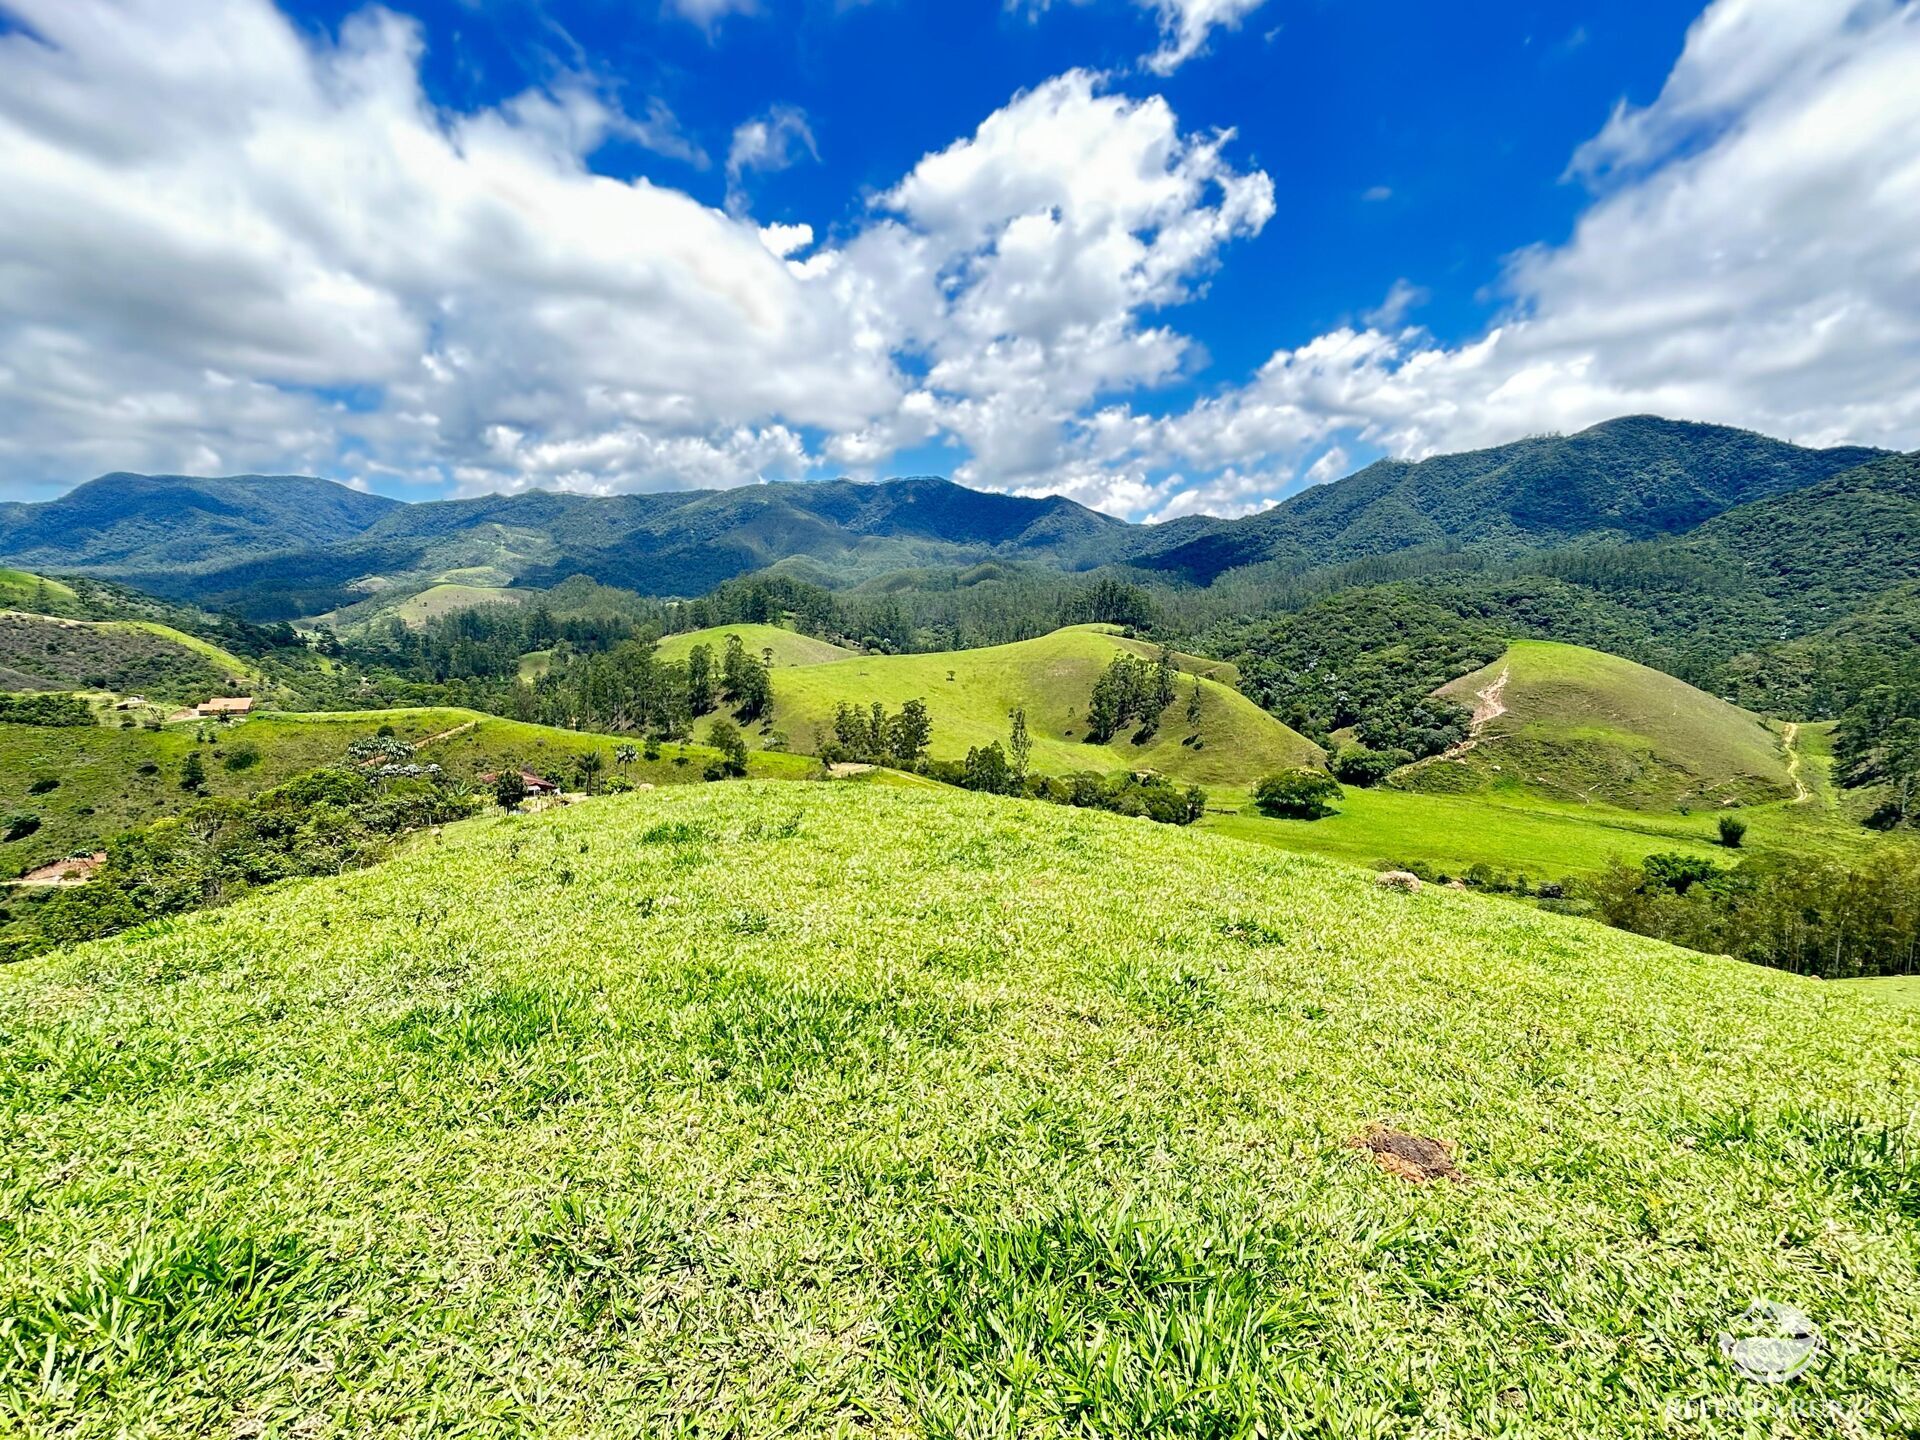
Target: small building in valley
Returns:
[536, 784]
[225, 707]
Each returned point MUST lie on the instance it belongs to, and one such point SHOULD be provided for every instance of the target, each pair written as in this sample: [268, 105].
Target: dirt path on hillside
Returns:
[1488, 707]
[446, 734]
[1801, 795]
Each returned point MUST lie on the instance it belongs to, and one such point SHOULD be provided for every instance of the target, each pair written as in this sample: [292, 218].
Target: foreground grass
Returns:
[764, 1109]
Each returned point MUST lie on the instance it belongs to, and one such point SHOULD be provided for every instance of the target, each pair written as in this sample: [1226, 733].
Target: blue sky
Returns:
[1161, 255]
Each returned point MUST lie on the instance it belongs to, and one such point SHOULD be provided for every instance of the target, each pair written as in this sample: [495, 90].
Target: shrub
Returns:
[1298, 795]
[1732, 831]
[19, 825]
[242, 757]
[724, 736]
[45, 785]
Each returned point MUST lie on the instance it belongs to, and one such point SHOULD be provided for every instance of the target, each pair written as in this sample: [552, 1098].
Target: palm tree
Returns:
[588, 765]
[625, 755]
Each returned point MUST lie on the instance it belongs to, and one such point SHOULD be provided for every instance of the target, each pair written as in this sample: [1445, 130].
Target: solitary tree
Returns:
[1732, 831]
[625, 755]
[193, 775]
[509, 789]
[1020, 748]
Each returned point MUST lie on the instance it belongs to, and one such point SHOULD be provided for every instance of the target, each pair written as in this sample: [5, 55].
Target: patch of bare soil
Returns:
[1411, 1157]
[846, 768]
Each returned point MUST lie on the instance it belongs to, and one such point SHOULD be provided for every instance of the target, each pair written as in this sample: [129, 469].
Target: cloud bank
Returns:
[229, 244]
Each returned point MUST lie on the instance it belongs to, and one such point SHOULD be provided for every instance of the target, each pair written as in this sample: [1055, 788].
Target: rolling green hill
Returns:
[1579, 724]
[752, 1108]
[788, 647]
[971, 693]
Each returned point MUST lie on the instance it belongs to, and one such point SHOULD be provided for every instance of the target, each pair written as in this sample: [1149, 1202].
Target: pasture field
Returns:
[971, 694]
[1546, 839]
[788, 1110]
[1887, 989]
[789, 647]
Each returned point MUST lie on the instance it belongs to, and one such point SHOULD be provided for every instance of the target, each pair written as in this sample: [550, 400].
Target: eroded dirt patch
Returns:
[1411, 1157]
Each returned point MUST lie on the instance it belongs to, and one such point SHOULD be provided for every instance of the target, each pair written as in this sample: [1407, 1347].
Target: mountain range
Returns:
[281, 547]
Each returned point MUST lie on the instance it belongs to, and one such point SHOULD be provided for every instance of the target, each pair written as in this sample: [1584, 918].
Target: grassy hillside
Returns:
[22, 590]
[421, 606]
[780, 1109]
[105, 784]
[1579, 724]
[1051, 678]
[1888, 989]
[38, 652]
[789, 648]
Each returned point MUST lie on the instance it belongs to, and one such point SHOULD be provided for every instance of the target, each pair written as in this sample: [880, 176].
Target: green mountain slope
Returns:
[788, 647]
[971, 694]
[743, 1107]
[1580, 724]
[128, 525]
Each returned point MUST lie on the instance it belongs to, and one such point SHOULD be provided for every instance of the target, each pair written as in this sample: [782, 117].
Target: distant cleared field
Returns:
[788, 647]
[432, 603]
[1887, 989]
[1385, 829]
[821, 1111]
[972, 693]
[1586, 726]
[23, 589]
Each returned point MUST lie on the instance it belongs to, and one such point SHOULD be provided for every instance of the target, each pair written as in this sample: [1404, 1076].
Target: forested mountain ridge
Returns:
[1635, 478]
[139, 523]
[282, 547]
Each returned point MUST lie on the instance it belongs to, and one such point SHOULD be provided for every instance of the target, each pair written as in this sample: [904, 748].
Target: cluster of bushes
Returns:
[990, 770]
[1813, 917]
[1484, 877]
[45, 709]
[319, 824]
[1302, 794]
[1361, 766]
